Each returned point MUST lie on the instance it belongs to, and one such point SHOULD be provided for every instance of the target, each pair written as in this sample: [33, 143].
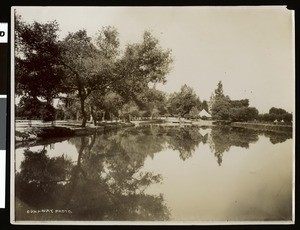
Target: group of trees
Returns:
[223, 108]
[90, 75]
[276, 114]
[94, 79]
[184, 103]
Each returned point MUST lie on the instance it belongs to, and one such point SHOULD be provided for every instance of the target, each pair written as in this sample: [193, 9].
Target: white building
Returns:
[203, 113]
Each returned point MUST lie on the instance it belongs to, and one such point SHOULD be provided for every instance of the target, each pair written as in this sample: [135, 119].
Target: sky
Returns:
[249, 49]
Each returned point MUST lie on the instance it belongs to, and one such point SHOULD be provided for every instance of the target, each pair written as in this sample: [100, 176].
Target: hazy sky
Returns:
[250, 49]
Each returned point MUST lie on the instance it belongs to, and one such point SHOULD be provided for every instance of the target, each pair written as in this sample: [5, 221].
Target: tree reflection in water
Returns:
[102, 185]
[41, 178]
[276, 138]
[185, 140]
[107, 181]
[222, 138]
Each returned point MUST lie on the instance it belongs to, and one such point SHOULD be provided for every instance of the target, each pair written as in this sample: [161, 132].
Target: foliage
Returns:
[130, 110]
[68, 108]
[277, 111]
[222, 108]
[239, 103]
[205, 105]
[108, 42]
[243, 114]
[105, 105]
[153, 102]
[98, 79]
[194, 113]
[219, 104]
[219, 91]
[38, 72]
[181, 103]
[39, 75]
[141, 64]
[276, 114]
[32, 108]
[86, 68]
[288, 117]
[90, 70]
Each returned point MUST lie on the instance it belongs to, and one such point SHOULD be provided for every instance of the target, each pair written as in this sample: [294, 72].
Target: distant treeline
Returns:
[223, 108]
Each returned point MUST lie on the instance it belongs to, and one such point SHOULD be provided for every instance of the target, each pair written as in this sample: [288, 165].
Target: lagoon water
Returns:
[157, 173]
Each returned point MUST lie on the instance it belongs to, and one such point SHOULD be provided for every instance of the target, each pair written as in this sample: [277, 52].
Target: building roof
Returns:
[203, 113]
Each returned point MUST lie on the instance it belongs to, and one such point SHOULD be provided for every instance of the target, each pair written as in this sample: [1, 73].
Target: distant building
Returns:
[204, 114]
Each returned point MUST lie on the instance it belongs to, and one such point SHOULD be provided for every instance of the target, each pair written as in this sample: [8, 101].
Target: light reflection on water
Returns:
[159, 173]
[251, 184]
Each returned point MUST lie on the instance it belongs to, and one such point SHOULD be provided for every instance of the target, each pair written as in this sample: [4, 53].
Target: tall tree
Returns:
[153, 102]
[219, 104]
[88, 67]
[221, 109]
[46, 66]
[219, 90]
[205, 105]
[104, 104]
[142, 63]
[181, 103]
[38, 73]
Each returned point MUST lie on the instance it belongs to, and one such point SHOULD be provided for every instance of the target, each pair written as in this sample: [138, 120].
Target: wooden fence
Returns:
[19, 124]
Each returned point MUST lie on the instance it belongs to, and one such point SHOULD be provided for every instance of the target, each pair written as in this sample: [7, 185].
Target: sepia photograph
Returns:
[152, 115]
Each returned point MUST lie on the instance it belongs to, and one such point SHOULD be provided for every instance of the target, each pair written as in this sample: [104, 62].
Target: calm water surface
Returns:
[157, 173]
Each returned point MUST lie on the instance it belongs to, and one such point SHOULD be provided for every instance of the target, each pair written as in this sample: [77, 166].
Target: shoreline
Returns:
[34, 134]
[264, 127]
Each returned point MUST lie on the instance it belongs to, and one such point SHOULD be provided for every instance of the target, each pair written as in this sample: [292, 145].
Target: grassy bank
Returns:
[264, 127]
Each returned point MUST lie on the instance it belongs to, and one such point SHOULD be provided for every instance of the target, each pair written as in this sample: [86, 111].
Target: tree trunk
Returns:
[77, 115]
[84, 116]
[75, 174]
[103, 117]
[93, 115]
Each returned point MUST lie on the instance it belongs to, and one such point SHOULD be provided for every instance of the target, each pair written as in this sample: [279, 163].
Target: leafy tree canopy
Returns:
[181, 103]
[79, 65]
